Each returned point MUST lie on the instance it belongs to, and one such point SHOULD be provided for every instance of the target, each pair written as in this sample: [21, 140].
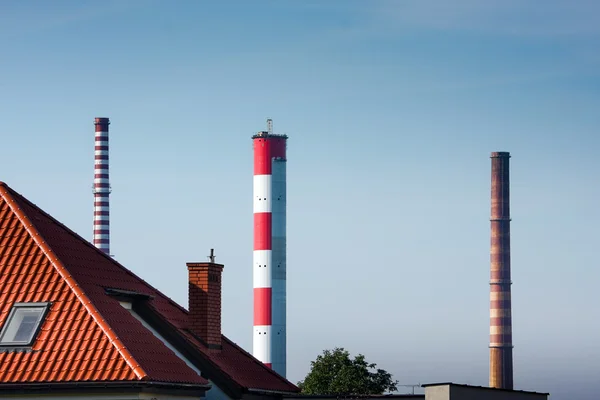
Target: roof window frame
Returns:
[40, 321]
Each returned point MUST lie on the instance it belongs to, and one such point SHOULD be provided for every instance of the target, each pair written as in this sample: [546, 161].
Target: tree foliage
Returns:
[335, 373]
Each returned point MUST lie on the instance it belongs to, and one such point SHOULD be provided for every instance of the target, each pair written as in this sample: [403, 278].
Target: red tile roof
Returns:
[88, 335]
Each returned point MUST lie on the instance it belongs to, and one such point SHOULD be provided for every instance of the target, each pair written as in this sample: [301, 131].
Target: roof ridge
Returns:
[87, 243]
[8, 195]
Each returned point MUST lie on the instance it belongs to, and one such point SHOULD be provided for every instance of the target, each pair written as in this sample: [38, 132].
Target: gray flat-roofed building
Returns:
[455, 391]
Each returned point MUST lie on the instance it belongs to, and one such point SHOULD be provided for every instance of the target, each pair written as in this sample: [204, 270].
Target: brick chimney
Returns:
[205, 301]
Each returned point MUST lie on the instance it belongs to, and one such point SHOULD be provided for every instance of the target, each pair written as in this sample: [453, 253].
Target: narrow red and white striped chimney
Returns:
[101, 186]
[269, 271]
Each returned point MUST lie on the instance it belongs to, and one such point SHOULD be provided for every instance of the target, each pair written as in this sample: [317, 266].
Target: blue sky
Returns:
[392, 108]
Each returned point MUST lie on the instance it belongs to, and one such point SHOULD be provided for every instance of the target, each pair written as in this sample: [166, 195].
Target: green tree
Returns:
[335, 373]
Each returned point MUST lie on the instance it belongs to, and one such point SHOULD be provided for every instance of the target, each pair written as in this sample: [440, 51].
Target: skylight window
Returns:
[22, 324]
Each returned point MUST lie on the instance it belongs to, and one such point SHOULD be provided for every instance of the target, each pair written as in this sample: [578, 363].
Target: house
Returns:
[75, 322]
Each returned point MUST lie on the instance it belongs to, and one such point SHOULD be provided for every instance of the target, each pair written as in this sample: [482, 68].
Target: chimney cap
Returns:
[500, 154]
[101, 120]
[203, 265]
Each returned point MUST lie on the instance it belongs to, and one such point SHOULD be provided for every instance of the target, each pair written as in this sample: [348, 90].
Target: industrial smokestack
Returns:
[501, 348]
[269, 270]
[101, 186]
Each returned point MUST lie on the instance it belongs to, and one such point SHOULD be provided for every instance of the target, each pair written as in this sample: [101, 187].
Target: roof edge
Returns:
[5, 192]
[106, 385]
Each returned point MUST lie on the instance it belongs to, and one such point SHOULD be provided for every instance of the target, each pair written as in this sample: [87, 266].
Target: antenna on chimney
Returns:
[212, 256]
[270, 126]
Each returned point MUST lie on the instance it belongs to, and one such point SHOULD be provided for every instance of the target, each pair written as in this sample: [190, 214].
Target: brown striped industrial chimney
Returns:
[501, 348]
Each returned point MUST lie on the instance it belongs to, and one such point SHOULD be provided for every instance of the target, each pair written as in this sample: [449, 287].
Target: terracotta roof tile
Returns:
[72, 346]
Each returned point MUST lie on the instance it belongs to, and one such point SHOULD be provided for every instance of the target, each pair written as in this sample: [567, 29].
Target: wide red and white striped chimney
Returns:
[101, 186]
[501, 347]
[269, 271]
